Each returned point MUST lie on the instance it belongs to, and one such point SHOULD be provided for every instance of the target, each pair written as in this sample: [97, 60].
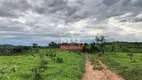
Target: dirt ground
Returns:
[104, 74]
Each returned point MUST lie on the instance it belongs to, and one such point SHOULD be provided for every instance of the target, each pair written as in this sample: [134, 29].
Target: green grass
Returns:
[129, 69]
[98, 68]
[71, 69]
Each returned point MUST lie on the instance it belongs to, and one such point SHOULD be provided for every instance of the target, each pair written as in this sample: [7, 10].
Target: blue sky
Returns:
[23, 22]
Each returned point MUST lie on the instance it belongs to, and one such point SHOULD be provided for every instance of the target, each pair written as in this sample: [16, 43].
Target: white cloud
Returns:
[43, 21]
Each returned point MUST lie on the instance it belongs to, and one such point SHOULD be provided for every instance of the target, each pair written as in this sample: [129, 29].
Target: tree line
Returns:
[98, 45]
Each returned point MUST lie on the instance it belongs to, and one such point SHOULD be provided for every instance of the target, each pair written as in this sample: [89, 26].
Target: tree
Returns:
[113, 49]
[86, 47]
[97, 39]
[53, 45]
[35, 45]
[102, 39]
[35, 48]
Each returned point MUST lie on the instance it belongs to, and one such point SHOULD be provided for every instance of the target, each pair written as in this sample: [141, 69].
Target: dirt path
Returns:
[104, 74]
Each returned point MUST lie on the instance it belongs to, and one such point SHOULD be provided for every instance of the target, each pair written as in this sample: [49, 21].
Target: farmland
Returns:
[129, 69]
[71, 68]
[49, 63]
[70, 39]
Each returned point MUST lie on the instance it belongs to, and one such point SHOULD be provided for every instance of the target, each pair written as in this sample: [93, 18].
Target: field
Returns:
[129, 68]
[71, 68]
[25, 63]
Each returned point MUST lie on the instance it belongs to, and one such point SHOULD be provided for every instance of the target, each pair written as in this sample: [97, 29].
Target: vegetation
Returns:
[102, 46]
[48, 63]
[130, 69]
[65, 66]
[6, 71]
[123, 56]
[8, 50]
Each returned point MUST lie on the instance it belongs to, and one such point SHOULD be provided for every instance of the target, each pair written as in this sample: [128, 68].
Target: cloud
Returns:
[137, 3]
[125, 2]
[42, 21]
[110, 2]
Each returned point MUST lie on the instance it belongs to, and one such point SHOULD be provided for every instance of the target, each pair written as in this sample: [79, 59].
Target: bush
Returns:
[37, 73]
[131, 56]
[135, 74]
[5, 72]
[59, 60]
[43, 64]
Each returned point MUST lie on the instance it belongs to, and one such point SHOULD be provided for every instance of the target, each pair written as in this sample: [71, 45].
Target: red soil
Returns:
[104, 74]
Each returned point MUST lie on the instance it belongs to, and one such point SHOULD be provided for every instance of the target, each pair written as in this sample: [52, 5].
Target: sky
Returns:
[23, 22]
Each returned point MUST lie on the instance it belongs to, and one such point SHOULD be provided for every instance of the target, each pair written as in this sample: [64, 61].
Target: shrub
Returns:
[39, 70]
[5, 72]
[37, 73]
[59, 60]
[131, 56]
[51, 54]
[43, 64]
[135, 73]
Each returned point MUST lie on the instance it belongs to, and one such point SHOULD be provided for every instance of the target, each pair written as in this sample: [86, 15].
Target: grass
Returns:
[71, 69]
[98, 68]
[94, 61]
[128, 69]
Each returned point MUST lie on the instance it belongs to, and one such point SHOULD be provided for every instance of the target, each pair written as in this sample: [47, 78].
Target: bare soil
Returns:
[104, 74]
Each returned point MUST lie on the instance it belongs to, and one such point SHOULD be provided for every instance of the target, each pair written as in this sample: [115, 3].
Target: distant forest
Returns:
[135, 47]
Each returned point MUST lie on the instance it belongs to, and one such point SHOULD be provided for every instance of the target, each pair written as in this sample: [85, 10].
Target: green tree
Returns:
[35, 45]
[53, 45]
[101, 40]
[97, 39]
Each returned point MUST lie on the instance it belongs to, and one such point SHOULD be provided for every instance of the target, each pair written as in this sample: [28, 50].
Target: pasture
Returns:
[71, 67]
[129, 68]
